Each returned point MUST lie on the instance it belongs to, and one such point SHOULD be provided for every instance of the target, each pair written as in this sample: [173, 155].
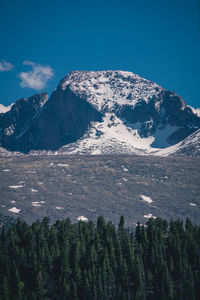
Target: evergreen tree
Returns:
[88, 261]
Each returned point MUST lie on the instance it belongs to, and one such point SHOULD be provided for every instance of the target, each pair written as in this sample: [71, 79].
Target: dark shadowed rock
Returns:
[62, 120]
[16, 122]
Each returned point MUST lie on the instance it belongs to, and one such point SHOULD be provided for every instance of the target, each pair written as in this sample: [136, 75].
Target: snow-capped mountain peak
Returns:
[99, 112]
[196, 111]
[4, 109]
[108, 89]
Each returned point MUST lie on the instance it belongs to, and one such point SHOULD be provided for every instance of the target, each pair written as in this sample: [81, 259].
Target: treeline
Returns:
[160, 260]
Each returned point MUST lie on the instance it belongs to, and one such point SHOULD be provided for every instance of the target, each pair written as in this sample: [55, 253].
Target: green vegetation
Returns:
[88, 261]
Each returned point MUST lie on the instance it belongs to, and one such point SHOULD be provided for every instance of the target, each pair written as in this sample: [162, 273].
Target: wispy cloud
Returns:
[5, 66]
[36, 78]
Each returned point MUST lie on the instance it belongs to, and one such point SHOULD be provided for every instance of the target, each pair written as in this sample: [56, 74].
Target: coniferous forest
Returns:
[160, 260]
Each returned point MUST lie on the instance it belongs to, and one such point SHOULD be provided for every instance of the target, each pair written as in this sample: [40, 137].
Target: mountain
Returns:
[17, 121]
[190, 146]
[4, 109]
[99, 112]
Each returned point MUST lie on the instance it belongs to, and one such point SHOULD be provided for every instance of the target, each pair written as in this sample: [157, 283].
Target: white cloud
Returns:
[36, 78]
[5, 66]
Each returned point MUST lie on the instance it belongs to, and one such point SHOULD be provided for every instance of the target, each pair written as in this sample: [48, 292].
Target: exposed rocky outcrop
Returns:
[16, 122]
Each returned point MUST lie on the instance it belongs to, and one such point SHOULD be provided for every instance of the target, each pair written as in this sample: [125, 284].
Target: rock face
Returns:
[190, 146]
[31, 125]
[16, 122]
[63, 120]
[89, 110]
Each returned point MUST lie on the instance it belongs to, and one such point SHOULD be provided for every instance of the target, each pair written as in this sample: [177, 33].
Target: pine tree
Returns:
[84, 261]
[5, 290]
[121, 223]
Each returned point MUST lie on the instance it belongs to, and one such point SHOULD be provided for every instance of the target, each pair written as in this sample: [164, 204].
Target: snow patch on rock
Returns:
[59, 207]
[4, 109]
[34, 191]
[109, 137]
[82, 218]
[124, 169]
[16, 186]
[146, 199]
[193, 204]
[14, 210]
[148, 216]
[193, 140]
[196, 111]
[37, 203]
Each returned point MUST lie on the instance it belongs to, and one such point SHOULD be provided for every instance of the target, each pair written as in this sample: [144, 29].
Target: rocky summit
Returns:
[102, 112]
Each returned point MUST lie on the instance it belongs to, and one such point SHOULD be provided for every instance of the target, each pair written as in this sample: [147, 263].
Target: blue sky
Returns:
[42, 40]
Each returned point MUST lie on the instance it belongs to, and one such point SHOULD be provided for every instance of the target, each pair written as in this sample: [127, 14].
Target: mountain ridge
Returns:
[102, 107]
